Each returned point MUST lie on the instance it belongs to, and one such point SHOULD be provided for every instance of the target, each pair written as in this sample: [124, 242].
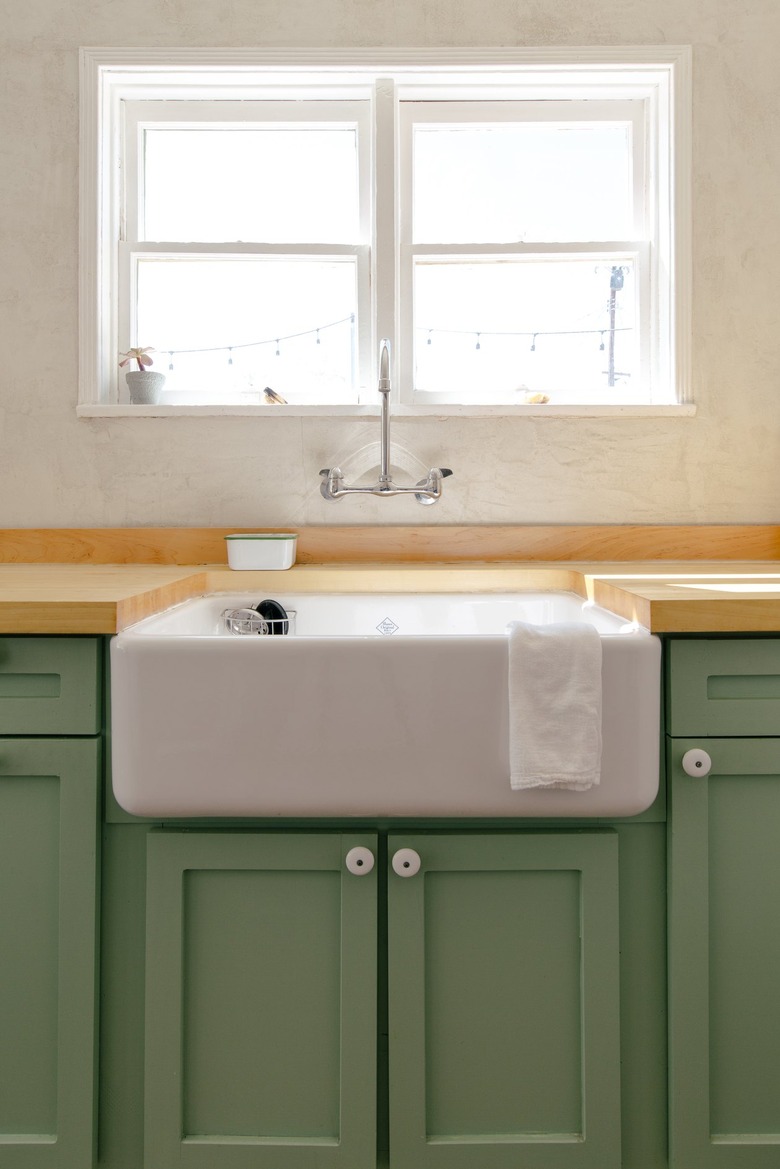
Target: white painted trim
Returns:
[682, 183]
[170, 250]
[368, 60]
[431, 112]
[405, 318]
[90, 153]
[575, 250]
[386, 291]
[683, 410]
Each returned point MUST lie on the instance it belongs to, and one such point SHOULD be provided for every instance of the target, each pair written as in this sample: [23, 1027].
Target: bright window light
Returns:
[555, 327]
[494, 184]
[271, 185]
[231, 328]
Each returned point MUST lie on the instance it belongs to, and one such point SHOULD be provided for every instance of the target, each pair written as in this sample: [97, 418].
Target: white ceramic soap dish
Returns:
[261, 550]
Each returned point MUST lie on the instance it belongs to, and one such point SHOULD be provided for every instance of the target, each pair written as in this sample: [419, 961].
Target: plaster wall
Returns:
[722, 465]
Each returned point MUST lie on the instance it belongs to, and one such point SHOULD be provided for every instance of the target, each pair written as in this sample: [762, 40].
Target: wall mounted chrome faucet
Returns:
[427, 491]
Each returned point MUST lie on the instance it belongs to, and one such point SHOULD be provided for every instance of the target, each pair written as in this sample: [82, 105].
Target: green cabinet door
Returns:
[48, 923]
[504, 1002]
[260, 1002]
[724, 920]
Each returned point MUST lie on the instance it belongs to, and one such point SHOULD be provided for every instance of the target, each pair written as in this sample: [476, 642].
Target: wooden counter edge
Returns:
[54, 617]
[151, 601]
[405, 544]
[735, 615]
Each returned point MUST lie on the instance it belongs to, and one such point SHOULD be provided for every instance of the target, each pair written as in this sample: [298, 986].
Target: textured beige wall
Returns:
[723, 465]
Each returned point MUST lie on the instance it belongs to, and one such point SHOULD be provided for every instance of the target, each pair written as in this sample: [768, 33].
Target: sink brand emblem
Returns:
[387, 627]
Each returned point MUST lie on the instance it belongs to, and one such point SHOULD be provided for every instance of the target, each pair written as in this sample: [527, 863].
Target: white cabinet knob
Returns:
[696, 762]
[406, 862]
[360, 861]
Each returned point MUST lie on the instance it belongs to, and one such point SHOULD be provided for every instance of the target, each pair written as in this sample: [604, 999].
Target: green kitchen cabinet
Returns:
[503, 993]
[724, 904]
[260, 1002]
[48, 907]
[49, 833]
[498, 981]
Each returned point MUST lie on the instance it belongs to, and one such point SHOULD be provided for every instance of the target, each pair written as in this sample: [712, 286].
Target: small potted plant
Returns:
[144, 384]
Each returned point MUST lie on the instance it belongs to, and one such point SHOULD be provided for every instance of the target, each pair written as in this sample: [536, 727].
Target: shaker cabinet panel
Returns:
[261, 1002]
[50, 686]
[48, 925]
[504, 1003]
[724, 687]
[725, 956]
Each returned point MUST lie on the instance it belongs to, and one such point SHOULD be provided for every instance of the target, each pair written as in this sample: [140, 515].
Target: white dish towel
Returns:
[554, 706]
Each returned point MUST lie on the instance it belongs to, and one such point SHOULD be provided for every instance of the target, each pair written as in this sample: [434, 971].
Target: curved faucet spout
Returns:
[384, 366]
[384, 393]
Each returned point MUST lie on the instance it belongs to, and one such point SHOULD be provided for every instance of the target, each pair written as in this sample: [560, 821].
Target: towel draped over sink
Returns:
[554, 706]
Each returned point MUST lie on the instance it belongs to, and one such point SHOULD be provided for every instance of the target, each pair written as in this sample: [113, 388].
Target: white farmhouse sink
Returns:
[373, 705]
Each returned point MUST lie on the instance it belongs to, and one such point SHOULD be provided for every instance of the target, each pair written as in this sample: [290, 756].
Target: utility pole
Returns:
[615, 285]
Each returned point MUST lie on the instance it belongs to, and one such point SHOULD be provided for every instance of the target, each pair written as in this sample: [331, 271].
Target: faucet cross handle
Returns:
[431, 487]
[332, 483]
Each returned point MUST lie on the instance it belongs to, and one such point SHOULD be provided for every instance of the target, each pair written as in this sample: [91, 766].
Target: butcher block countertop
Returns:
[707, 579]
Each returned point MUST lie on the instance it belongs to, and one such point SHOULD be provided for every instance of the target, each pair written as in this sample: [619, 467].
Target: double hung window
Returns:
[516, 226]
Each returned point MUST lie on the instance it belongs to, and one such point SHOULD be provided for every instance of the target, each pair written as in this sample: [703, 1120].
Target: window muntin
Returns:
[188, 81]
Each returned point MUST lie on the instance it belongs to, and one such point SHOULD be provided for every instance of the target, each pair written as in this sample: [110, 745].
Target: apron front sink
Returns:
[371, 705]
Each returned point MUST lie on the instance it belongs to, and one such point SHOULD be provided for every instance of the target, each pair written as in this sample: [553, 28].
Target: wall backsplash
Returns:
[720, 466]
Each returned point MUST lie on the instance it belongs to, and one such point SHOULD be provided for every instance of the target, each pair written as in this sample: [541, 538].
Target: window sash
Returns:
[417, 114]
[615, 252]
[414, 114]
[131, 254]
[138, 116]
[142, 115]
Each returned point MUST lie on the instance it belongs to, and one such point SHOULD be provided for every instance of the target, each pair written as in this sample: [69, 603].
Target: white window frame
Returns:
[388, 81]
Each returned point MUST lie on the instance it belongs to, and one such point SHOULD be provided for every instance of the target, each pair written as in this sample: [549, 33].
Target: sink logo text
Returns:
[387, 627]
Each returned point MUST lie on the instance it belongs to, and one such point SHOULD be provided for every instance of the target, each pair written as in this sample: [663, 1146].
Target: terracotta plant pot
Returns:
[145, 386]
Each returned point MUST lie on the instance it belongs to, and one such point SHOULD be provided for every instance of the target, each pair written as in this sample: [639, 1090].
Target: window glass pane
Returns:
[517, 183]
[232, 327]
[251, 185]
[499, 332]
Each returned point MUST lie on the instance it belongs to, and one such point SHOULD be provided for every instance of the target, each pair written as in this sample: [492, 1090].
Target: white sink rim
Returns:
[364, 614]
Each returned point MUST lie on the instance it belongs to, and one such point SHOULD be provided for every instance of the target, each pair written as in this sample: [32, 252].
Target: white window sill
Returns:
[445, 410]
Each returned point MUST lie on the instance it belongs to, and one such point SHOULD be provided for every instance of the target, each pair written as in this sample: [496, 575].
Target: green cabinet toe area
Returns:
[536, 996]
